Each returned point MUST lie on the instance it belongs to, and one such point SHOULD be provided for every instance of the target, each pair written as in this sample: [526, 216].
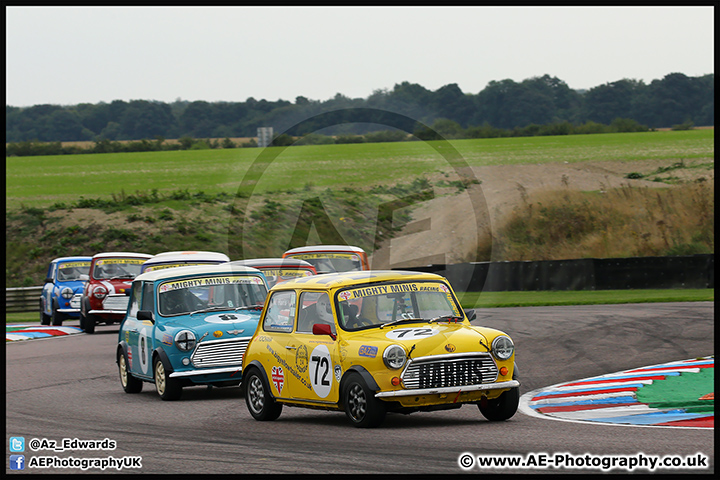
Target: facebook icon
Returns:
[17, 462]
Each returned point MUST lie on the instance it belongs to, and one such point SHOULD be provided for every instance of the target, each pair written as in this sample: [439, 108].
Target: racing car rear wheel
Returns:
[129, 383]
[361, 406]
[258, 399]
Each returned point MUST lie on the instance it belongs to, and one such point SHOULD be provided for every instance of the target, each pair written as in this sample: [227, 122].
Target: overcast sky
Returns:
[71, 55]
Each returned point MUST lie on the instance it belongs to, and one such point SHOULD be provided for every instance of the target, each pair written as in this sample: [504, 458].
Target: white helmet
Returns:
[323, 309]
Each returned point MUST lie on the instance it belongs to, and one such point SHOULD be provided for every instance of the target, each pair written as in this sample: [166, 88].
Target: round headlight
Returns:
[100, 292]
[394, 357]
[66, 293]
[502, 347]
[185, 340]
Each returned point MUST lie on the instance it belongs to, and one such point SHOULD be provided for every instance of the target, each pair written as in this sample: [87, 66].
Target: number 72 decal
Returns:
[321, 372]
[410, 333]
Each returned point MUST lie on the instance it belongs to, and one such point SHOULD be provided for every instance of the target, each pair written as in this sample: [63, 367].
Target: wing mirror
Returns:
[470, 314]
[323, 329]
[146, 315]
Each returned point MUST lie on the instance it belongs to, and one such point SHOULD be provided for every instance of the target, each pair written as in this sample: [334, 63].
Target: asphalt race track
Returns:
[68, 388]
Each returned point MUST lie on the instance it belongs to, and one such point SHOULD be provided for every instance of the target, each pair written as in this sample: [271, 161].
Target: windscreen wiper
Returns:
[445, 317]
[249, 307]
[401, 320]
[210, 309]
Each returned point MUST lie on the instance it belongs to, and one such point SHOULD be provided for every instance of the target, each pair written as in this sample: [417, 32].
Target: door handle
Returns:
[290, 348]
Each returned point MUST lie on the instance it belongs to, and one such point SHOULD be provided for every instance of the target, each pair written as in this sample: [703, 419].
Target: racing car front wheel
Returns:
[361, 406]
[501, 408]
[87, 321]
[257, 397]
[168, 388]
[44, 319]
[57, 317]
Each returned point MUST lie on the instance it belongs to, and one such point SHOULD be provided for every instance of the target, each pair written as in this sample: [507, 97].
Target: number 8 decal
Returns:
[321, 374]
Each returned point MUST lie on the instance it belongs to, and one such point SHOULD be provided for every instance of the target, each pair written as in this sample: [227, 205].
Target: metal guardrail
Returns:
[691, 271]
[22, 299]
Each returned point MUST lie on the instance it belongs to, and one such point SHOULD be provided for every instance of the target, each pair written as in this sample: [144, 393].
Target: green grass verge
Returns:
[528, 299]
[582, 297]
[45, 180]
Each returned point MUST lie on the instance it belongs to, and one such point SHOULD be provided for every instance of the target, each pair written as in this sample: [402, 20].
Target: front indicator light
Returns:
[503, 371]
[395, 381]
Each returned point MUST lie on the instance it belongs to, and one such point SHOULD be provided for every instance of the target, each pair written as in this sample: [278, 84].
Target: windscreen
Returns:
[71, 271]
[372, 306]
[275, 275]
[211, 293]
[331, 262]
[109, 268]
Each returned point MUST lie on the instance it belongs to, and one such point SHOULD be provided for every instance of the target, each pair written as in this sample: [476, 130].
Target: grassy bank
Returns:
[190, 200]
[627, 221]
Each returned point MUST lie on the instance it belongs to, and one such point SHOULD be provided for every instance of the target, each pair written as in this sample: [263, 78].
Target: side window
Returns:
[280, 313]
[315, 308]
[135, 300]
[148, 299]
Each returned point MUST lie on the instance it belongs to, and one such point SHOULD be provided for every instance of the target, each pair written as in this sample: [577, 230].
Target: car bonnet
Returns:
[218, 324]
[428, 339]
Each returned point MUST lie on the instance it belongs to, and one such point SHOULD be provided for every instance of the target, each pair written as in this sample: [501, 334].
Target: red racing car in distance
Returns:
[105, 297]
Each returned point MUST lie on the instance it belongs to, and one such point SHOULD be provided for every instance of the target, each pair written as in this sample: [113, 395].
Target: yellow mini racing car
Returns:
[373, 342]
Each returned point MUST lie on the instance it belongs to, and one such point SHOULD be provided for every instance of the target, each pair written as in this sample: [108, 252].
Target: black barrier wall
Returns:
[691, 271]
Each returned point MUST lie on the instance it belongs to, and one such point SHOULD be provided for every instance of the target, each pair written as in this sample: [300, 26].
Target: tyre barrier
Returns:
[689, 271]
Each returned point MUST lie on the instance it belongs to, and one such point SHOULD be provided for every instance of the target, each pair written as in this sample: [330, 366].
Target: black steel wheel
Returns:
[258, 399]
[361, 406]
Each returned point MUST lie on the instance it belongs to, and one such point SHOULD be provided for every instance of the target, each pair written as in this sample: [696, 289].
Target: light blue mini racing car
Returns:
[189, 326]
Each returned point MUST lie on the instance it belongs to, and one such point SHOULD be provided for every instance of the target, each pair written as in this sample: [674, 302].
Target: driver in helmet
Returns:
[324, 310]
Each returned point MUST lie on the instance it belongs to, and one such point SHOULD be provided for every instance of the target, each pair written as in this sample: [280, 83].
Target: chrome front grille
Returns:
[220, 353]
[75, 301]
[116, 302]
[454, 370]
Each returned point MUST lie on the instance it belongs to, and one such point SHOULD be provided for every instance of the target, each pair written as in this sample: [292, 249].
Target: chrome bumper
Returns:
[462, 388]
[209, 371]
